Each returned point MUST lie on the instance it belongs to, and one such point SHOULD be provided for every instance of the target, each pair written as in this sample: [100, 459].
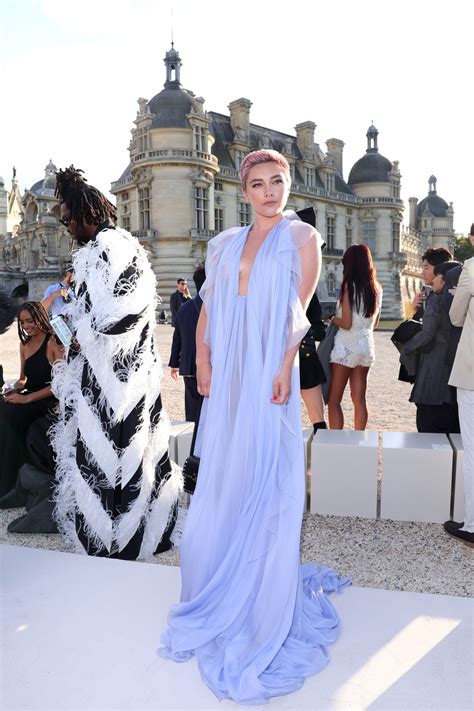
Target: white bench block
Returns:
[178, 428]
[416, 476]
[183, 444]
[344, 473]
[458, 483]
[308, 438]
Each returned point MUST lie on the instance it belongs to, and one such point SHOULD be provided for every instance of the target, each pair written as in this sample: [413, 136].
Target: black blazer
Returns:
[176, 301]
[183, 348]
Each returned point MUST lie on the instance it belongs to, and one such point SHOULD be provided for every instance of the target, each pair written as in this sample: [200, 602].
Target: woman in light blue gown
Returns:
[257, 620]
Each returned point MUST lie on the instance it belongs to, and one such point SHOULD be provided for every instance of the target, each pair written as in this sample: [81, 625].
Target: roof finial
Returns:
[172, 29]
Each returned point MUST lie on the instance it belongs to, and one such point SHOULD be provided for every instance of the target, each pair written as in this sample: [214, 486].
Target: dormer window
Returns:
[310, 177]
[200, 139]
[239, 156]
[142, 140]
[330, 182]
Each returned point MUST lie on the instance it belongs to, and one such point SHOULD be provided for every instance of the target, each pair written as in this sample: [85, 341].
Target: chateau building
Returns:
[181, 187]
[34, 246]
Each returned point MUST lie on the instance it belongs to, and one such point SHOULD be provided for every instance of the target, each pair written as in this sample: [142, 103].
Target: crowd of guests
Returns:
[437, 359]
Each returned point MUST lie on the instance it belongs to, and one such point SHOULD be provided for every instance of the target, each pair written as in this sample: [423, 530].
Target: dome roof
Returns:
[436, 205]
[371, 168]
[46, 186]
[433, 202]
[171, 106]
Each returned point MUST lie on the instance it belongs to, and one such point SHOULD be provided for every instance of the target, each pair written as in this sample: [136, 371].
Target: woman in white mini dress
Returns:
[353, 353]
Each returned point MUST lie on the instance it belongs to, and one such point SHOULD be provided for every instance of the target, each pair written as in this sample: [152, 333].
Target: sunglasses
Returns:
[67, 221]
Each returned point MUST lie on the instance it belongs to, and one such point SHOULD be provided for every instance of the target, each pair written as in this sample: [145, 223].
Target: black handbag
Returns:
[405, 332]
[324, 355]
[191, 465]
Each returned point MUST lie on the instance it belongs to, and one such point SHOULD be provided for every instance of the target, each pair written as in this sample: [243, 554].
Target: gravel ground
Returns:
[393, 555]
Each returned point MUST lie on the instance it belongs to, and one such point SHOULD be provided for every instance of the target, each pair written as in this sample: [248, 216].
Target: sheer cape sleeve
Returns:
[300, 233]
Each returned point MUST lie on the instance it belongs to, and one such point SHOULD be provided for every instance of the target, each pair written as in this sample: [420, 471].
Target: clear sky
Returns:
[71, 73]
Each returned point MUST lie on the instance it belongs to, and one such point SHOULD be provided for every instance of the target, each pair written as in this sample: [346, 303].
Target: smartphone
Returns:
[62, 330]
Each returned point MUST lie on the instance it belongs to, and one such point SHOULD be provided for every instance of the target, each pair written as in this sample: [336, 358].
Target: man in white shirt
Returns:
[58, 295]
[461, 314]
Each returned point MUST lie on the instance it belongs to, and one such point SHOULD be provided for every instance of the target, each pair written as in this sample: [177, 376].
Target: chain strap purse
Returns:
[191, 465]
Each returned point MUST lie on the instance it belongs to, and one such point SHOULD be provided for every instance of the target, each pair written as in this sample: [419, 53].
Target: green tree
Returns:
[462, 248]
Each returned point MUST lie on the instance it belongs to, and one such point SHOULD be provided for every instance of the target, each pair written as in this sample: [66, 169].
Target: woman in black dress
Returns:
[311, 371]
[30, 397]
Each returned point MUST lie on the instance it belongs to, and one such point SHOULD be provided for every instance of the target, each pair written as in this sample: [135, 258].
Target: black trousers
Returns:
[438, 418]
[191, 398]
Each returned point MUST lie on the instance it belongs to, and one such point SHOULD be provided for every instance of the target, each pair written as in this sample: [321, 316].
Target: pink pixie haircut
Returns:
[266, 155]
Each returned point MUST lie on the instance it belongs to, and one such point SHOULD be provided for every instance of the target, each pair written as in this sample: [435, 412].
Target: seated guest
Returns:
[436, 408]
[31, 396]
[35, 483]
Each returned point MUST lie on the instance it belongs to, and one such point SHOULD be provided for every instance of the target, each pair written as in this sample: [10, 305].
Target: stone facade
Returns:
[181, 187]
[34, 252]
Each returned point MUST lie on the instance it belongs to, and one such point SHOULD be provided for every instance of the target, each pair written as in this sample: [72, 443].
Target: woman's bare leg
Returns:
[339, 377]
[358, 383]
[313, 399]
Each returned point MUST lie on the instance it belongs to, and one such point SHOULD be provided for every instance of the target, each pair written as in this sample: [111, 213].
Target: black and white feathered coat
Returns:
[117, 490]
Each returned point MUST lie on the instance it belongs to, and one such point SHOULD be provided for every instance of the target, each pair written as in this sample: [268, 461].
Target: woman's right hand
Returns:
[203, 376]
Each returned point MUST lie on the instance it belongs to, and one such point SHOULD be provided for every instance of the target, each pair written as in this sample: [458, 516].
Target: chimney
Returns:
[335, 148]
[240, 118]
[413, 203]
[305, 138]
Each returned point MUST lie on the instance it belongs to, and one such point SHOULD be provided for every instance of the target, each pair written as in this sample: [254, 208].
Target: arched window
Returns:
[331, 284]
[31, 213]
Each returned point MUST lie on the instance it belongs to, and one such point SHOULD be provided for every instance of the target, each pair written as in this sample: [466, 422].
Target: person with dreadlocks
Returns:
[117, 489]
[30, 397]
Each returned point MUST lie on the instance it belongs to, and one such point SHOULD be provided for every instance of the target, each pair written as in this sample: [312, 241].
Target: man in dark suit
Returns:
[183, 349]
[178, 298]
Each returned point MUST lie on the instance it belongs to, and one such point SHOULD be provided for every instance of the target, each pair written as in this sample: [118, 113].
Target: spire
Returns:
[432, 185]
[372, 134]
[172, 62]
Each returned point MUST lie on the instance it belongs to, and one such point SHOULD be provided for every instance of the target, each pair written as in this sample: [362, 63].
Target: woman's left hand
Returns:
[17, 399]
[282, 387]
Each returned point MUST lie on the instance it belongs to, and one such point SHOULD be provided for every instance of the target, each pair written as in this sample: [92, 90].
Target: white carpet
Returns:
[81, 633]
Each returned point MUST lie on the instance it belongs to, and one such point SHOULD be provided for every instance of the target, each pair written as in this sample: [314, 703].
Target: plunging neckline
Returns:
[243, 296]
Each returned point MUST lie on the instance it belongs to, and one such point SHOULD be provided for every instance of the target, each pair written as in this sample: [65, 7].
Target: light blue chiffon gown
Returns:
[257, 620]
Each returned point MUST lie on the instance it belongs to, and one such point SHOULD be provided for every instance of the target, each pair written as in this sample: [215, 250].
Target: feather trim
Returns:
[101, 265]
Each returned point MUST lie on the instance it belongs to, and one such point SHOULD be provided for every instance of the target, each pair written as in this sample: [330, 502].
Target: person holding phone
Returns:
[58, 295]
[436, 408]
[30, 397]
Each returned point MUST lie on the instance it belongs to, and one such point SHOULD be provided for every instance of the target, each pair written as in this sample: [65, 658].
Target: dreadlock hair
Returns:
[86, 204]
[39, 316]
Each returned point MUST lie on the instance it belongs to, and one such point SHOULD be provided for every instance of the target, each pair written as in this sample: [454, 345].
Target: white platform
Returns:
[81, 633]
[179, 430]
[458, 485]
[416, 476]
[344, 473]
